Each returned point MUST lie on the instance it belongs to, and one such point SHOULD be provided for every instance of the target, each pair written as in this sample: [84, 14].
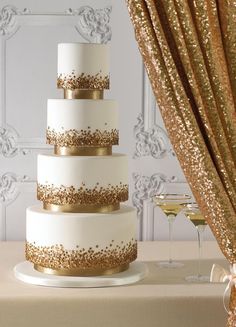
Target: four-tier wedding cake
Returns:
[82, 230]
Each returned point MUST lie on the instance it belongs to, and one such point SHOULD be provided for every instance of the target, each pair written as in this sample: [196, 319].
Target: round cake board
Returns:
[25, 272]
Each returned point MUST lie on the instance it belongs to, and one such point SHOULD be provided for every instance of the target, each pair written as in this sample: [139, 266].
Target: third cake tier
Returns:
[82, 123]
[82, 184]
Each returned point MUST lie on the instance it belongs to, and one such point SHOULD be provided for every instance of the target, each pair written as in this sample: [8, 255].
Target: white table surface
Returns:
[162, 299]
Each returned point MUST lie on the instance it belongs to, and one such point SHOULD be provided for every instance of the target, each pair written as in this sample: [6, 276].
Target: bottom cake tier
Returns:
[81, 244]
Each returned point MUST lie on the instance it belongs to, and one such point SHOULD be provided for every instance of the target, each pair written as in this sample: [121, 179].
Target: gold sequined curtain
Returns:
[189, 51]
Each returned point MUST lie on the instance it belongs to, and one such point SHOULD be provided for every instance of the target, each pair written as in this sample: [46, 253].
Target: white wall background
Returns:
[28, 59]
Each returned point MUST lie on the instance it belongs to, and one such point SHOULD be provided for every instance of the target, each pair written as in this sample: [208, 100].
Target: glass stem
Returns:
[171, 219]
[200, 241]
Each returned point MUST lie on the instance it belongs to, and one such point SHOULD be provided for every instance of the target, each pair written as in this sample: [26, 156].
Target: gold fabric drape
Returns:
[189, 51]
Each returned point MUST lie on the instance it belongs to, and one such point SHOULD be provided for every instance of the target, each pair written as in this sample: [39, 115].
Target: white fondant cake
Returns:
[82, 179]
[82, 122]
[82, 229]
[81, 240]
[83, 66]
[45, 228]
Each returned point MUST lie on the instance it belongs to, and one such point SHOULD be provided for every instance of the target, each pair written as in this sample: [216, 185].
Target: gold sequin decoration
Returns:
[70, 195]
[82, 137]
[83, 81]
[168, 40]
[57, 257]
[188, 48]
[82, 272]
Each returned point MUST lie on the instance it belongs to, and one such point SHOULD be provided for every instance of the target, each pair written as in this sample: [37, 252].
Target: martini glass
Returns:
[193, 213]
[171, 205]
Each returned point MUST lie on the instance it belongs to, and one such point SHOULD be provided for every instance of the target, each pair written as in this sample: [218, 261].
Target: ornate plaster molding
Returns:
[93, 24]
[8, 187]
[9, 145]
[8, 141]
[152, 142]
[146, 187]
[8, 18]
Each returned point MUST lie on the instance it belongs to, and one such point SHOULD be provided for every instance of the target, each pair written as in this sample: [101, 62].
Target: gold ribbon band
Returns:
[83, 94]
[77, 208]
[83, 151]
[81, 272]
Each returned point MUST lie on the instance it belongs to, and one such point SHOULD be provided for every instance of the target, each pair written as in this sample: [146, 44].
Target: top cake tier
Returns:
[83, 66]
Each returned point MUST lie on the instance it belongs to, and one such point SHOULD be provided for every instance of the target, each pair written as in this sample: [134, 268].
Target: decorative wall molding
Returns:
[9, 187]
[8, 18]
[10, 144]
[152, 142]
[146, 187]
[8, 141]
[150, 138]
[93, 24]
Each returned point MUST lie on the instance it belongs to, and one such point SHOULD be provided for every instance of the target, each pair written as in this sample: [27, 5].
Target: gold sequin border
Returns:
[99, 195]
[58, 257]
[84, 137]
[83, 81]
[82, 272]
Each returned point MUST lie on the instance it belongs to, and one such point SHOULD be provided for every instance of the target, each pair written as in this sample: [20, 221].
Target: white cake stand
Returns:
[25, 272]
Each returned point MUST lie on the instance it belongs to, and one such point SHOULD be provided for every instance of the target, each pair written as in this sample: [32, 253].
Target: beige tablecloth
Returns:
[162, 299]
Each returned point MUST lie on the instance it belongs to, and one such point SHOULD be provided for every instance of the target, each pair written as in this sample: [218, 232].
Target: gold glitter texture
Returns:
[82, 272]
[84, 137]
[188, 48]
[83, 81]
[189, 105]
[57, 257]
[60, 195]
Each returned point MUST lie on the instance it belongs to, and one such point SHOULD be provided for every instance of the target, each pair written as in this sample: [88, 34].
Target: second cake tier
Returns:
[82, 123]
[82, 184]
